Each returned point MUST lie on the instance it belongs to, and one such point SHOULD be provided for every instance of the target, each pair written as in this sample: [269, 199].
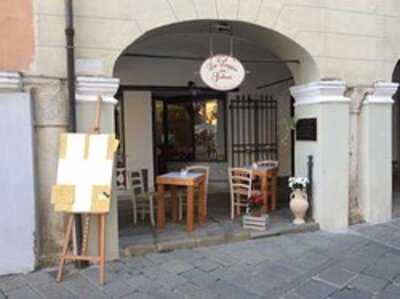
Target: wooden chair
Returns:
[120, 178]
[143, 200]
[122, 190]
[121, 184]
[240, 182]
[182, 194]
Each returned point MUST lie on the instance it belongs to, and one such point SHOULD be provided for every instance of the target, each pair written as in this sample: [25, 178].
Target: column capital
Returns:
[89, 88]
[382, 93]
[10, 81]
[319, 92]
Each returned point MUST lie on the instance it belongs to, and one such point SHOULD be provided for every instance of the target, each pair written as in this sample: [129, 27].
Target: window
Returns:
[190, 129]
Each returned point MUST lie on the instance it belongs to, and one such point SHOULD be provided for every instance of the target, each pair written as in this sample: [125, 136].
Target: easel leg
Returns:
[102, 221]
[65, 248]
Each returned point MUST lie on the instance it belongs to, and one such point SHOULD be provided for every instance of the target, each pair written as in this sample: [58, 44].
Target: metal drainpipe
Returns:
[310, 175]
[69, 35]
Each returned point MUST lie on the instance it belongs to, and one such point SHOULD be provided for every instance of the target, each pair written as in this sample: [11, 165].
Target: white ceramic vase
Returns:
[298, 205]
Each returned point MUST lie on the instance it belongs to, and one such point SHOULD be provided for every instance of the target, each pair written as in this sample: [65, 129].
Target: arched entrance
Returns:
[167, 118]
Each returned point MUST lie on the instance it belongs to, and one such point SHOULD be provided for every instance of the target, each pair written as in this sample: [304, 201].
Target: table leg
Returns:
[264, 192]
[202, 203]
[160, 207]
[189, 209]
[174, 198]
[274, 182]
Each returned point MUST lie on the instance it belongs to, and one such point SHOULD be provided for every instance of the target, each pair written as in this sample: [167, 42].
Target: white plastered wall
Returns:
[333, 32]
[325, 102]
[18, 223]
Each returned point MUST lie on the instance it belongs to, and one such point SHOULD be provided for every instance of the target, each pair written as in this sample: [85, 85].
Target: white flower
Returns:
[298, 181]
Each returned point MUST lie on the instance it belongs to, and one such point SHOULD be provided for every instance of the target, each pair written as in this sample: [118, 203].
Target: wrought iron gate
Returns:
[253, 129]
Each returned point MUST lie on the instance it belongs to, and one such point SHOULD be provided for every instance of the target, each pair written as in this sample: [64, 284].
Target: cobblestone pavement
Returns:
[363, 262]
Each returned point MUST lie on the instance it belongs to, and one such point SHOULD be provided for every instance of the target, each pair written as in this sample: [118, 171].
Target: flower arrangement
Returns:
[298, 183]
[255, 203]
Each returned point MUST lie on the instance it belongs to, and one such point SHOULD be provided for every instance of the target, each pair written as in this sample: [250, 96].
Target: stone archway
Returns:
[91, 86]
[280, 45]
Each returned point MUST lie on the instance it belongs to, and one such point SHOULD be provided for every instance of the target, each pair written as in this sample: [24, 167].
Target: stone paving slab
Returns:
[8, 283]
[390, 292]
[82, 288]
[368, 283]
[22, 293]
[313, 289]
[54, 290]
[336, 276]
[299, 266]
[351, 294]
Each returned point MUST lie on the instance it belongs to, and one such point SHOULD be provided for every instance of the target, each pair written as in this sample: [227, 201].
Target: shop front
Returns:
[311, 88]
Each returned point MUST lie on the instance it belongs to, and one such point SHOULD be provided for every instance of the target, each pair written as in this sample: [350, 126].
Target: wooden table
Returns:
[175, 180]
[268, 177]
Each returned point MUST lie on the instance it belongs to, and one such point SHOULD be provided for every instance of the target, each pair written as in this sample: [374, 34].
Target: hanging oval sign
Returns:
[222, 72]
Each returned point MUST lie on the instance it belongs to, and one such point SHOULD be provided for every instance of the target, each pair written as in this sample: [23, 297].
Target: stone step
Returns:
[194, 241]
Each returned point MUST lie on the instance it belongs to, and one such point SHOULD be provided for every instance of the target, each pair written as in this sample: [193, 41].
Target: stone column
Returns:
[375, 164]
[357, 95]
[88, 89]
[324, 101]
[50, 119]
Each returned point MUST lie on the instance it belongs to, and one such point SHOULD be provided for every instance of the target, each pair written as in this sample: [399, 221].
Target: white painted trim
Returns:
[320, 92]
[10, 81]
[382, 94]
[88, 89]
[84, 99]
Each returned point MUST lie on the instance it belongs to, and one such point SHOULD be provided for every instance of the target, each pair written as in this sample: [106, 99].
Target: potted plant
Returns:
[298, 198]
[254, 217]
[255, 204]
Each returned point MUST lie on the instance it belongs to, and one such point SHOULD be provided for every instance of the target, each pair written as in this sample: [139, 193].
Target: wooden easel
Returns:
[82, 256]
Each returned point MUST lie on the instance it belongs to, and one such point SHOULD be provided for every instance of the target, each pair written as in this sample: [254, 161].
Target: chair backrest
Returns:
[240, 181]
[120, 178]
[202, 169]
[136, 182]
[268, 163]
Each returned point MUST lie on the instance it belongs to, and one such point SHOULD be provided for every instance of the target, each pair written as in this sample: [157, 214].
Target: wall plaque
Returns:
[306, 129]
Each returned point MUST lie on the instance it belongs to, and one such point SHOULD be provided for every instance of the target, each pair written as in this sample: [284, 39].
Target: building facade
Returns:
[336, 59]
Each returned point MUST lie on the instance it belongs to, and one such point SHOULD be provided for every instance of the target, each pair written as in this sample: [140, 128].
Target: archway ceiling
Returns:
[197, 44]
[252, 41]
[193, 38]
